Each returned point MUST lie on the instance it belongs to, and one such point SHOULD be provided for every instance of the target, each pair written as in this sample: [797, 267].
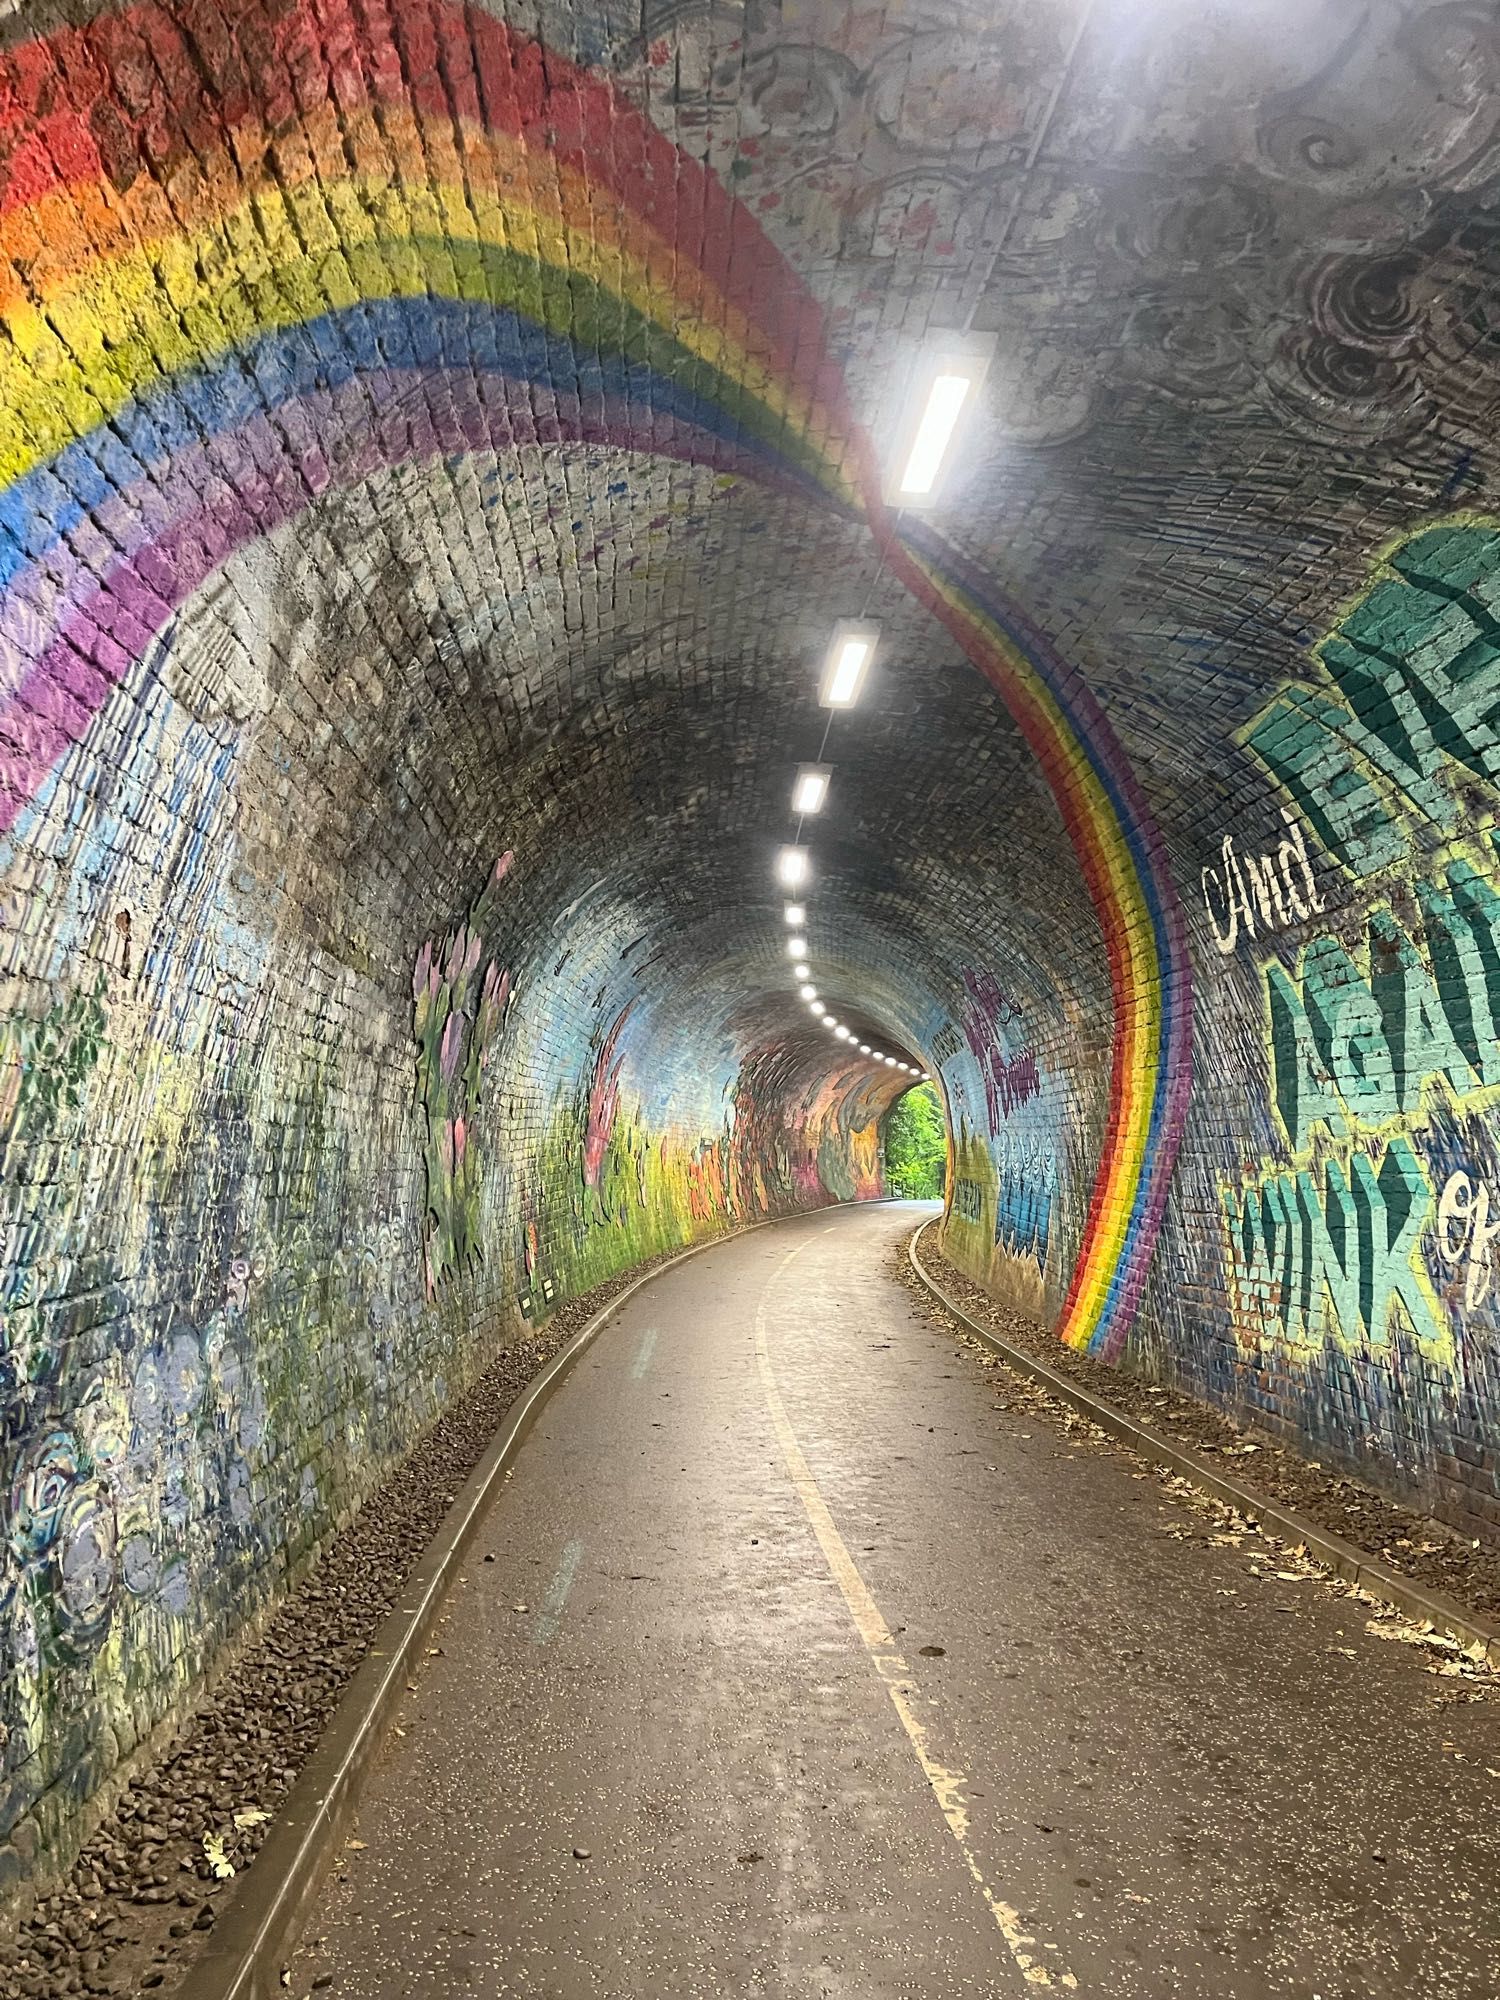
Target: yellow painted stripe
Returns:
[52, 245]
[1139, 1054]
[948, 1785]
[281, 256]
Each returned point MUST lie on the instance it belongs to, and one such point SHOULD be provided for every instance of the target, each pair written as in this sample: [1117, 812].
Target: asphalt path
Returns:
[799, 1657]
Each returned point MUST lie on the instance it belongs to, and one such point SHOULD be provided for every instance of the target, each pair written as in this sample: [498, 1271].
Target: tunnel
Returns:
[510, 771]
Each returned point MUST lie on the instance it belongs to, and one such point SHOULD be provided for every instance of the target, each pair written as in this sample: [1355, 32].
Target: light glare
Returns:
[945, 384]
[810, 789]
[847, 669]
[945, 400]
[849, 654]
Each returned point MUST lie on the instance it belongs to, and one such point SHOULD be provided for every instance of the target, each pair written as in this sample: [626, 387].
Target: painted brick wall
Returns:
[1327, 1264]
[290, 1150]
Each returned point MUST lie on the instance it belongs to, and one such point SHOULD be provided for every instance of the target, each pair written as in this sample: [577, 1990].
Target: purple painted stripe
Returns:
[1172, 1085]
[86, 614]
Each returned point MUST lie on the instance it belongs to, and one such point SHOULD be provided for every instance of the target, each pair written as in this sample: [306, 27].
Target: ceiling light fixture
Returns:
[808, 992]
[849, 655]
[864, 1048]
[945, 383]
[792, 866]
[797, 946]
[795, 914]
[811, 788]
[816, 1007]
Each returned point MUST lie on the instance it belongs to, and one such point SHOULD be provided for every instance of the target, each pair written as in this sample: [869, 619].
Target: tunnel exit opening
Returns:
[914, 1145]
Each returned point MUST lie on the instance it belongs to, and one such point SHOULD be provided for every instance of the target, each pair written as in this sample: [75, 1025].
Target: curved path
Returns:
[853, 1681]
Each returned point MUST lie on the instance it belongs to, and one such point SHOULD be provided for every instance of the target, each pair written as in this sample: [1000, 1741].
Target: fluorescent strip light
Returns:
[797, 947]
[945, 384]
[795, 914]
[810, 789]
[849, 655]
[945, 399]
[791, 866]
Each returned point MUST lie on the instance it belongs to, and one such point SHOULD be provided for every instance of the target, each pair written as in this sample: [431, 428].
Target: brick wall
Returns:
[1327, 1265]
[298, 1134]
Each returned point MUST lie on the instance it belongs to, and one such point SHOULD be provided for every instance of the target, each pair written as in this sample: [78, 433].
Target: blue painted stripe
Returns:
[273, 371]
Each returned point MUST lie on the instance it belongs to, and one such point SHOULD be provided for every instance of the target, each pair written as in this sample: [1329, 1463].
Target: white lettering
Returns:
[1281, 890]
[1225, 940]
[1466, 1208]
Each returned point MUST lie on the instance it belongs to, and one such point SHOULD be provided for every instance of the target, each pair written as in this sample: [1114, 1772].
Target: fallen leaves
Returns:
[1454, 1660]
[218, 1860]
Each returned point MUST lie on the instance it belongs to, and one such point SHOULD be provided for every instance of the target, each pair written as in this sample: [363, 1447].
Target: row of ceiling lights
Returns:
[946, 382]
[848, 658]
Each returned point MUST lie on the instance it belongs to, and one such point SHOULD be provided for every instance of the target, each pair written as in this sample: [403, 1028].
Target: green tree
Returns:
[916, 1147]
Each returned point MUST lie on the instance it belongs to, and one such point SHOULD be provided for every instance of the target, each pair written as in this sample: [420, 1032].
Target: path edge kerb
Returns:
[259, 1929]
[1346, 1561]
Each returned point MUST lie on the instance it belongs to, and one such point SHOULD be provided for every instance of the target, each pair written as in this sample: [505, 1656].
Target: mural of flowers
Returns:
[460, 994]
[604, 1100]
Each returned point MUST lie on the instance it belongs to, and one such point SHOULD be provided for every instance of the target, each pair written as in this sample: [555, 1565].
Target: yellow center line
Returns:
[948, 1786]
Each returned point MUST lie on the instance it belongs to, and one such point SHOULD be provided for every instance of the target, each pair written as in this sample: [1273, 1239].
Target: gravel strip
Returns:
[143, 1895]
[1425, 1550]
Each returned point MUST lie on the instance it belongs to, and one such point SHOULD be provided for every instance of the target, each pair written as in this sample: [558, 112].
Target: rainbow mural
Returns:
[373, 234]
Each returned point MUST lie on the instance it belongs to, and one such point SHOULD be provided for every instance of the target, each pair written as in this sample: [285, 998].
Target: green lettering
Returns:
[1436, 662]
[1466, 964]
[1302, 1086]
[1416, 1029]
[1250, 1255]
[1280, 1196]
[1392, 1209]
[1331, 1237]
[1300, 738]
[1350, 1033]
